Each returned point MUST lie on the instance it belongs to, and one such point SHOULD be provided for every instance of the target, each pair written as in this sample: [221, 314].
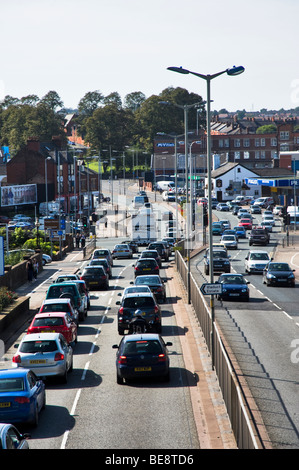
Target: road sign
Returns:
[52, 224]
[211, 289]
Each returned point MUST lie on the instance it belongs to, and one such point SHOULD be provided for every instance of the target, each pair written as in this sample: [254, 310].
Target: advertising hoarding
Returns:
[18, 195]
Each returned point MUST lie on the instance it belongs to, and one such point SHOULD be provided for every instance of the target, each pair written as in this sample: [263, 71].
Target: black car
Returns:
[234, 286]
[102, 262]
[259, 236]
[155, 283]
[140, 355]
[277, 274]
[221, 261]
[95, 277]
[133, 245]
[147, 304]
[146, 266]
[160, 247]
[151, 254]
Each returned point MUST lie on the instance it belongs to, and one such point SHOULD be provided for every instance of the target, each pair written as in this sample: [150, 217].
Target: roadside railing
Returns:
[244, 428]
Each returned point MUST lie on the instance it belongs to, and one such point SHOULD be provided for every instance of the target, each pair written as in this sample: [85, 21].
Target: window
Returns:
[226, 143]
[263, 154]
[237, 155]
[257, 155]
[237, 142]
[257, 142]
[284, 135]
[246, 155]
[273, 142]
[246, 142]
[263, 142]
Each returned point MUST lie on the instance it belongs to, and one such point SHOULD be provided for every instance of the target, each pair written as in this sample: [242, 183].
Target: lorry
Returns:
[144, 228]
[165, 186]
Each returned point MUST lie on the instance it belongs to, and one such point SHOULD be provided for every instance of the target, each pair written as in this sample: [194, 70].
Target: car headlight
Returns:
[244, 289]
[226, 262]
[291, 276]
[271, 276]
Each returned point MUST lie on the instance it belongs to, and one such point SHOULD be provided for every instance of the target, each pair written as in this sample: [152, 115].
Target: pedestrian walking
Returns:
[35, 269]
[29, 267]
[78, 240]
[83, 241]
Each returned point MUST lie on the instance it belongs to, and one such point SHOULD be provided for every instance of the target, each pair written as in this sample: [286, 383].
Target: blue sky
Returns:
[76, 46]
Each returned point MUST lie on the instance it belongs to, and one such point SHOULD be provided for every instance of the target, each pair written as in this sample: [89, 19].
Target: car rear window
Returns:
[38, 346]
[138, 302]
[48, 321]
[56, 291]
[97, 270]
[60, 307]
[147, 263]
[143, 346]
[14, 384]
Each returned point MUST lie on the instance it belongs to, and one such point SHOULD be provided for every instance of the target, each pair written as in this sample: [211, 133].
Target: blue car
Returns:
[234, 286]
[22, 396]
[240, 232]
[11, 438]
[217, 228]
[140, 356]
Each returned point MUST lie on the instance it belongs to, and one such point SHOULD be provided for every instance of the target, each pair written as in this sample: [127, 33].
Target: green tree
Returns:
[267, 129]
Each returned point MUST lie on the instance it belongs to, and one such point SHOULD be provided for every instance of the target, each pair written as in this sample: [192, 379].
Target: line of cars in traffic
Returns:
[145, 354]
[46, 350]
[256, 261]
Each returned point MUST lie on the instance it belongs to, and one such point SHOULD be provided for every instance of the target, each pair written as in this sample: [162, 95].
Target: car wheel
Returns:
[119, 379]
[34, 422]
[64, 377]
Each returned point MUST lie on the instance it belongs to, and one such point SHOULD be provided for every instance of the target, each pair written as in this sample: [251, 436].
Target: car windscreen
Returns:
[147, 263]
[138, 302]
[38, 346]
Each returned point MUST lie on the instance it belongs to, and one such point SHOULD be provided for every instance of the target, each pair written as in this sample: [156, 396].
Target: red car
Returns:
[246, 223]
[54, 322]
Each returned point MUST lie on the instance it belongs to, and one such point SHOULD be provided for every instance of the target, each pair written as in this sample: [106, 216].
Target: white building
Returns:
[228, 182]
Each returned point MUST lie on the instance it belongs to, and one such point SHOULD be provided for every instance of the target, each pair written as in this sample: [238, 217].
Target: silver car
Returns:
[122, 251]
[46, 354]
[230, 242]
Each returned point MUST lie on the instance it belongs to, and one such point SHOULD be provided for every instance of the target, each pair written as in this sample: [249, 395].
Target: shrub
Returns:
[6, 297]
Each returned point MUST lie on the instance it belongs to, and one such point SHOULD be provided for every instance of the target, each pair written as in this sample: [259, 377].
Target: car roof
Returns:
[55, 301]
[19, 371]
[40, 336]
[142, 336]
[140, 294]
[50, 314]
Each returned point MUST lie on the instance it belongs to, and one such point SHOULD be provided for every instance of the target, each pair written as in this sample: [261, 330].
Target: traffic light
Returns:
[286, 219]
[84, 221]
[205, 216]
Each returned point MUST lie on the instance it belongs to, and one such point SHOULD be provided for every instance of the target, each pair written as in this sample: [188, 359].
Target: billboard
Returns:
[17, 195]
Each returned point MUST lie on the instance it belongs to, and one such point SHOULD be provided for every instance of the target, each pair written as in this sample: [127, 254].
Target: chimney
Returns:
[33, 144]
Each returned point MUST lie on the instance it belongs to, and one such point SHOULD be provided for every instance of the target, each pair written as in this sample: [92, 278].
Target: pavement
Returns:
[288, 252]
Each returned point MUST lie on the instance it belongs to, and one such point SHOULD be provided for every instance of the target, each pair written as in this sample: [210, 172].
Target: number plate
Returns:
[5, 405]
[36, 361]
[142, 369]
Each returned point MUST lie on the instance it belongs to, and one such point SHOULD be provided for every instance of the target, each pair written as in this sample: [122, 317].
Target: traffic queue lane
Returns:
[162, 412]
[262, 335]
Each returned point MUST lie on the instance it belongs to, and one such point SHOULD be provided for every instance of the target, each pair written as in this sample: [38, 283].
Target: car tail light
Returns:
[162, 358]
[22, 400]
[59, 357]
[121, 310]
[156, 267]
[156, 309]
[103, 277]
[17, 359]
[122, 360]
[159, 289]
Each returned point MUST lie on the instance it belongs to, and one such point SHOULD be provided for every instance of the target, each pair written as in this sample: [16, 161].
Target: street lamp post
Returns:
[46, 181]
[231, 71]
[186, 108]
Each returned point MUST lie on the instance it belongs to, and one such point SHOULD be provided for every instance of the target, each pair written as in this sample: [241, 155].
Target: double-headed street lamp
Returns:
[232, 72]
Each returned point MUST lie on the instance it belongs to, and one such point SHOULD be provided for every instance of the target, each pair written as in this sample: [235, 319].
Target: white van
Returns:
[165, 186]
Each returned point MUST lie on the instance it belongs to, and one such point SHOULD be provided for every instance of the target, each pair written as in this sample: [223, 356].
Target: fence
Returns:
[245, 431]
